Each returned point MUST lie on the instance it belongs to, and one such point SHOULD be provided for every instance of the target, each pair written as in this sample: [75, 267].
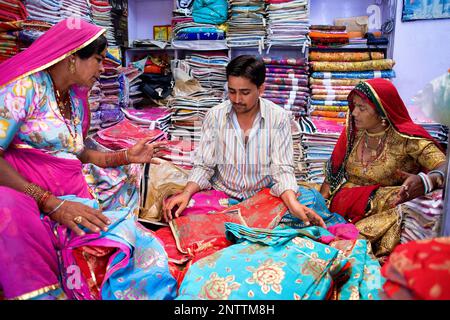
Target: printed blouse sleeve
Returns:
[17, 100]
[425, 152]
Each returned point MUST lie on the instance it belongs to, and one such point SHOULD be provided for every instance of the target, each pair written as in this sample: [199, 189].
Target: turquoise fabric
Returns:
[280, 264]
[210, 11]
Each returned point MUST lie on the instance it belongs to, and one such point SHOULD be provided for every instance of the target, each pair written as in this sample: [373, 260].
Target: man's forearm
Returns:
[191, 188]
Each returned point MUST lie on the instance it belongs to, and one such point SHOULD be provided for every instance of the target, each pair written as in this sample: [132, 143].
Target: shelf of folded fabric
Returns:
[318, 138]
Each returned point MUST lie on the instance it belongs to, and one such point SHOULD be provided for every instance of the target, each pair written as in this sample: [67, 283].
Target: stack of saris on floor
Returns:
[208, 67]
[12, 10]
[101, 16]
[256, 250]
[125, 134]
[44, 10]
[188, 113]
[422, 217]
[151, 117]
[287, 84]
[318, 140]
[288, 23]
[188, 34]
[335, 73]
[246, 24]
[107, 95]
[418, 270]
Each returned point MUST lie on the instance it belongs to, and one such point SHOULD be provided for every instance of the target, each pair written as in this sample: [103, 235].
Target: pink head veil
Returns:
[59, 42]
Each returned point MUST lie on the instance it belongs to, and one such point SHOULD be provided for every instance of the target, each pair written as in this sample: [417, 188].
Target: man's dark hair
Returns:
[95, 47]
[249, 67]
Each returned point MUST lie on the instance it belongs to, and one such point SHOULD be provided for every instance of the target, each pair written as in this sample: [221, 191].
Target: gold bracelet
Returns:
[34, 191]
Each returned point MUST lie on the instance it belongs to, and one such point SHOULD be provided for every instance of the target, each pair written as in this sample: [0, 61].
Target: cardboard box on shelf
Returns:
[359, 24]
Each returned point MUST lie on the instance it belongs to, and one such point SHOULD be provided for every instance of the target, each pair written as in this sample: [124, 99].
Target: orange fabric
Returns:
[315, 34]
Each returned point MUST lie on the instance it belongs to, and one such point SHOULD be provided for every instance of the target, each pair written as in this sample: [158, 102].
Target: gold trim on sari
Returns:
[36, 293]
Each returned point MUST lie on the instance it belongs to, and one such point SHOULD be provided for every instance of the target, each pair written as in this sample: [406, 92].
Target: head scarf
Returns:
[382, 95]
[59, 42]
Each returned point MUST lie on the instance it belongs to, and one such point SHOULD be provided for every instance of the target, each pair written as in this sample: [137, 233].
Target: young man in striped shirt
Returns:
[245, 145]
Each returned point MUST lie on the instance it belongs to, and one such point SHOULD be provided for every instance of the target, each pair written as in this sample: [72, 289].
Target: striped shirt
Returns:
[224, 162]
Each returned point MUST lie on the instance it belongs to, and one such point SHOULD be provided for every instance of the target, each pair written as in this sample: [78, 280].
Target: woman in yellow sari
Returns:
[382, 159]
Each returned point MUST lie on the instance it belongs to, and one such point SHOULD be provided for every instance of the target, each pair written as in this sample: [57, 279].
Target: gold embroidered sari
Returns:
[381, 224]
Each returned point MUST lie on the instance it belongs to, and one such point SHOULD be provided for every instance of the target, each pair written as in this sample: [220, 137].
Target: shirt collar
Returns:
[262, 108]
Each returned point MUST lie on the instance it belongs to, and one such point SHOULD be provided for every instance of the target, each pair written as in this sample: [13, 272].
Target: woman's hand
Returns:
[307, 215]
[412, 187]
[74, 214]
[180, 201]
[144, 152]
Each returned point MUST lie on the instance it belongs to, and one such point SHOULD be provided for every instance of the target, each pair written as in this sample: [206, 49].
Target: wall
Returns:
[421, 53]
[144, 14]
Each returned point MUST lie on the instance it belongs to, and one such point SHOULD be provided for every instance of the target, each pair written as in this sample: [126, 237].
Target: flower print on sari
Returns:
[4, 125]
[314, 266]
[148, 258]
[136, 291]
[15, 105]
[217, 288]
[268, 276]
[22, 86]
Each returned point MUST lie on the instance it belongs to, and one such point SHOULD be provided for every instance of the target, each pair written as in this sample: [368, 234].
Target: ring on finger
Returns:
[78, 219]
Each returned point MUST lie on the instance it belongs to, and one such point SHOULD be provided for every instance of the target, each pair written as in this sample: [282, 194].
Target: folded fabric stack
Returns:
[12, 10]
[44, 10]
[16, 36]
[125, 134]
[287, 84]
[119, 19]
[188, 113]
[107, 97]
[325, 36]
[9, 39]
[76, 9]
[132, 92]
[336, 72]
[318, 140]
[437, 131]
[246, 24]
[422, 217]
[180, 153]
[209, 69]
[31, 30]
[101, 16]
[288, 23]
[188, 34]
[151, 117]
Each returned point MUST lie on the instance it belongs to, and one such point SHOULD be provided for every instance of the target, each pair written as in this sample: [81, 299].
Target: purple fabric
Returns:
[18, 273]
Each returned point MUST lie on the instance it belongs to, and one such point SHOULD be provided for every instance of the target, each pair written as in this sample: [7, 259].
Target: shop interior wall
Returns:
[421, 53]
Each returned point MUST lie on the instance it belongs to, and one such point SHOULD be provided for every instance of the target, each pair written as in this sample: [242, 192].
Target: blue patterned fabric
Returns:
[312, 199]
[279, 264]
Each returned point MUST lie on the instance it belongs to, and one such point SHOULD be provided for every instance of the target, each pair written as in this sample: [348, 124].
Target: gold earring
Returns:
[72, 66]
[383, 122]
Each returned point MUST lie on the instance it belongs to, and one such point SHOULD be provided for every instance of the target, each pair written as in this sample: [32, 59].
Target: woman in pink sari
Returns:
[56, 238]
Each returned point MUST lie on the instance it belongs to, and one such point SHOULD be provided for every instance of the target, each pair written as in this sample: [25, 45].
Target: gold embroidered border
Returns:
[36, 293]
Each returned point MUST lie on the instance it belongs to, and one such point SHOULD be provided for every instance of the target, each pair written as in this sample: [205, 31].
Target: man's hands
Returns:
[180, 201]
